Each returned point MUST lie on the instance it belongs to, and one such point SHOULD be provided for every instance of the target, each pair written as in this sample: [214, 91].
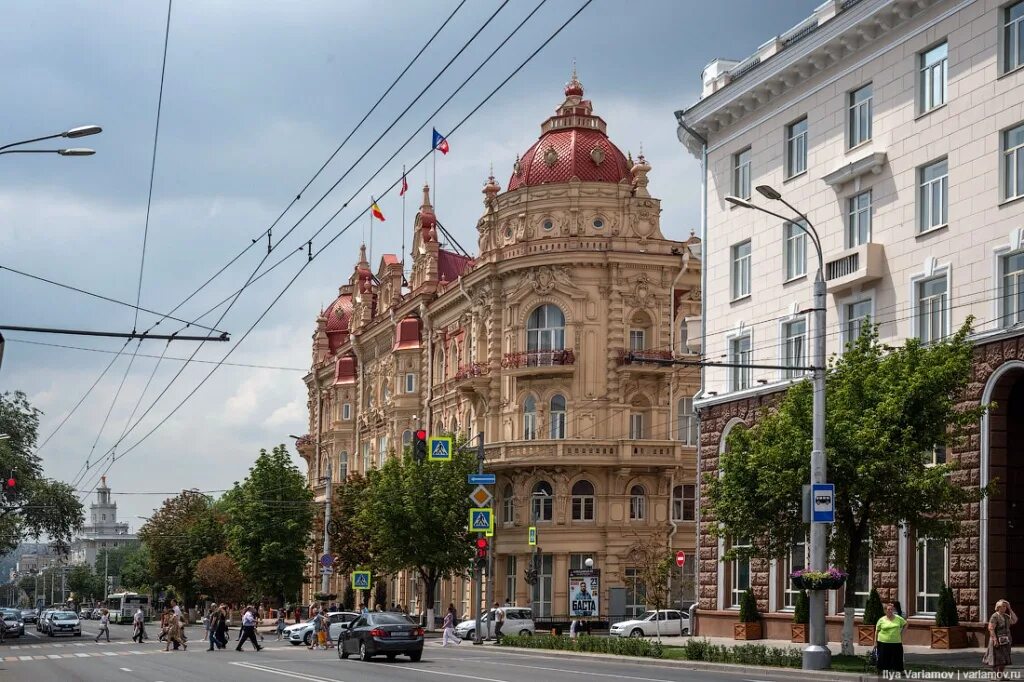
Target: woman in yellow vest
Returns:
[889, 640]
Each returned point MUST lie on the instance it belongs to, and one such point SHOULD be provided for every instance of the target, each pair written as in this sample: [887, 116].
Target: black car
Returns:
[374, 634]
[28, 616]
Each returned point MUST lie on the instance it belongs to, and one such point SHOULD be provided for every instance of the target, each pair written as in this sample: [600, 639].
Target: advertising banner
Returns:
[584, 588]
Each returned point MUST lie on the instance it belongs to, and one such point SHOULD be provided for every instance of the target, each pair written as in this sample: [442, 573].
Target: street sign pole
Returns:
[478, 588]
[324, 578]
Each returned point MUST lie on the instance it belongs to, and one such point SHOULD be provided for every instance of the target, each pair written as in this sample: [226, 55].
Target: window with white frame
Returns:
[529, 418]
[636, 339]
[935, 456]
[510, 578]
[933, 65]
[382, 450]
[343, 465]
[933, 195]
[637, 503]
[1013, 162]
[410, 382]
[860, 115]
[1013, 36]
[543, 505]
[684, 334]
[687, 428]
[583, 501]
[794, 347]
[932, 569]
[556, 416]
[684, 502]
[932, 308]
[741, 270]
[855, 316]
[739, 573]
[346, 411]
[795, 246]
[858, 220]
[636, 426]
[636, 597]
[796, 560]
[366, 456]
[1011, 284]
[508, 504]
[542, 589]
[857, 592]
[545, 330]
[796, 148]
[739, 354]
[406, 438]
[741, 174]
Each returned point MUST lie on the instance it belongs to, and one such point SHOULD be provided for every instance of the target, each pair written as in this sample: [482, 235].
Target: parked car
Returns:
[15, 627]
[29, 616]
[302, 633]
[518, 621]
[85, 613]
[64, 623]
[43, 619]
[373, 634]
[668, 622]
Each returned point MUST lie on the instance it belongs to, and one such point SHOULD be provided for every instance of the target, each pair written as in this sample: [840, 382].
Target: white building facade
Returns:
[897, 126]
[103, 531]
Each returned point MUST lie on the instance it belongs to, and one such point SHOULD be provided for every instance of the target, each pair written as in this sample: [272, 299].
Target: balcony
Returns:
[854, 267]
[472, 376]
[539, 362]
[645, 361]
[584, 452]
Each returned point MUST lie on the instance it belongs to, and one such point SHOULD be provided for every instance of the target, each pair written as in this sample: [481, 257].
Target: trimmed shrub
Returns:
[946, 615]
[748, 608]
[802, 612]
[743, 654]
[602, 645]
[873, 608]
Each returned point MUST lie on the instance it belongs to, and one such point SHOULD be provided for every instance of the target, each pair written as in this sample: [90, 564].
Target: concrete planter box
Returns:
[949, 638]
[747, 631]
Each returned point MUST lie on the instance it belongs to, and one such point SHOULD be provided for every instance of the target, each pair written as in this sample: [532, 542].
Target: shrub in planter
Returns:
[749, 626]
[872, 612]
[604, 645]
[801, 617]
[947, 633]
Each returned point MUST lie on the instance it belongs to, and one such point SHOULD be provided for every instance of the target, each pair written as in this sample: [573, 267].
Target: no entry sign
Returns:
[680, 558]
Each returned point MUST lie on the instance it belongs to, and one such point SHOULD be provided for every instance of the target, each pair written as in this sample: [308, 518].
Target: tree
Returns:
[349, 542]
[218, 576]
[39, 505]
[270, 515]
[136, 571]
[84, 583]
[415, 516]
[654, 564]
[886, 407]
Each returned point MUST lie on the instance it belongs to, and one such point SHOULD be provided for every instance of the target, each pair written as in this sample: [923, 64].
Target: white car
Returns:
[668, 622]
[518, 621]
[302, 633]
[64, 623]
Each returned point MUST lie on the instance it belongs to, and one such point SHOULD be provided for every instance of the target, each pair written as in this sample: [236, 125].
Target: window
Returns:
[346, 411]
[508, 504]
[406, 438]
[542, 590]
[545, 330]
[382, 450]
[794, 348]
[933, 195]
[860, 115]
[741, 270]
[1013, 162]
[683, 503]
[583, 501]
[578, 562]
[932, 308]
[366, 456]
[636, 426]
[857, 592]
[1013, 36]
[933, 77]
[935, 456]
[687, 428]
[795, 246]
[441, 366]
[739, 354]
[636, 339]
[741, 174]
[556, 415]
[104, 517]
[636, 598]
[1011, 281]
[410, 382]
[931, 574]
[684, 334]
[796, 148]
[858, 224]
[542, 501]
[529, 418]
[796, 560]
[637, 503]
[510, 578]
[740, 573]
[343, 466]
[855, 315]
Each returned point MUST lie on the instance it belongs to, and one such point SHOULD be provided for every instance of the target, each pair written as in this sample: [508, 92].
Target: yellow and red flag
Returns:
[376, 212]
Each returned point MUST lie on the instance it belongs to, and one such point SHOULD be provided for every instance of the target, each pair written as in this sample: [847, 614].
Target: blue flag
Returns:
[440, 142]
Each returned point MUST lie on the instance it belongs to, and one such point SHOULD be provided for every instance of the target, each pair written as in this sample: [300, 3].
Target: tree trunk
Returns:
[429, 585]
[848, 631]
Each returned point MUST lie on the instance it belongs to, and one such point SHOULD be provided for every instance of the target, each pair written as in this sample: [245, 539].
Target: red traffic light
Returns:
[11, 483]
[481, 543]
[421, 434]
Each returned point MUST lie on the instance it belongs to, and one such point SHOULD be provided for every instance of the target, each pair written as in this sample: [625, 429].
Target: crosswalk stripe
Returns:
[110, 653]
[81, 655]
[25, 658]
[53, 655]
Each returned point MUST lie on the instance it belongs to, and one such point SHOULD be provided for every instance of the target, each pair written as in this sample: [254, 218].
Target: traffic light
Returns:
[419, 445]
[481, 551]
[10, 485]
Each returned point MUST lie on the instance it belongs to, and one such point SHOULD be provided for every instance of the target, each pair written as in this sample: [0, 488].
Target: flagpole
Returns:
[373, 203]
[404, 192]
[433, 155]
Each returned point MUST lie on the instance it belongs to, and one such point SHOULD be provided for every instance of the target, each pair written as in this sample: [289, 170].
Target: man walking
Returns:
[139, 626]
[499, 621]
[248, 630]
[212, 624]
[104, 625]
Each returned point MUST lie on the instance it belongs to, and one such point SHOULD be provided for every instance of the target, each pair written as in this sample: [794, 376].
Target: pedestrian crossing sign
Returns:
[360, 580]
[439, 448]
[481, 520]
[532, 537]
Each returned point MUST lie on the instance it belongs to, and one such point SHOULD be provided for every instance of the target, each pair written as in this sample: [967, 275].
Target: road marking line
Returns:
[25, 658]
[53, 655]
[285, 673]
[438, 672]
[110, 653]
[81, 655]
[127, 670]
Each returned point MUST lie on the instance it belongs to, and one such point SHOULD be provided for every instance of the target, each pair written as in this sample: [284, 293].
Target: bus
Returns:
[122, 606]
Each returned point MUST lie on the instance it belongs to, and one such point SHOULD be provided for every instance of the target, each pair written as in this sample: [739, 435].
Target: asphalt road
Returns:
[42, 659]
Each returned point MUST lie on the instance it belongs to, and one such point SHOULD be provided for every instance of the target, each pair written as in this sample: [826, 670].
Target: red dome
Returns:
[338, 315]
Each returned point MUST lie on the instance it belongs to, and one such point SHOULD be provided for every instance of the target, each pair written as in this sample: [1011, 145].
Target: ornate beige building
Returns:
[525, 343]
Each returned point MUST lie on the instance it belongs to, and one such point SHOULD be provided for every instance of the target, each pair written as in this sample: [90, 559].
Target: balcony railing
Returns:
[638, 357]
[589, 451]
[847, 265]
[472, 370]
[855, 267]
[539, 358]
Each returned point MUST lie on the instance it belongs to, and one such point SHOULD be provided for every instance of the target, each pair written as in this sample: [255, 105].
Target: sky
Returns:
[257, 96]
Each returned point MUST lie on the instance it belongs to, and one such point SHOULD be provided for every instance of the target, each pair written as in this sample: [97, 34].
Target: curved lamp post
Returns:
[72, 133]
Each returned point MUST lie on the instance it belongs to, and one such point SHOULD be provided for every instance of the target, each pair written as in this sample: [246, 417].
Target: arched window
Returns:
[556, 416]
[440, 366]
[545, 330]
[583, 501]
[639, 418]
[529, 418]
[406, 438]
[508, 504]
[640, 332]
[637, 503]
[455, 426]
[343, 465]
[543, 501]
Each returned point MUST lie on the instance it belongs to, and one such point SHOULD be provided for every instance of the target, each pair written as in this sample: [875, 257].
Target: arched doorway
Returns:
[1005, 506]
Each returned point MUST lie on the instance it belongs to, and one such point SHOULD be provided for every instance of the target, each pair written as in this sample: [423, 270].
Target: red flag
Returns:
[376, 212]
[405, 186]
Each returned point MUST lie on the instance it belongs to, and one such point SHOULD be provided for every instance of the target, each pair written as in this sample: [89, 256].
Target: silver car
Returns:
[14, 626]
[63, 623]
[302, 633]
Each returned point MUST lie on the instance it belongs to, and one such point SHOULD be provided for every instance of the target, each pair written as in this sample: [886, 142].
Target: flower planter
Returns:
[798, 633]
[949, 638]
[747, 631]
[866, 635]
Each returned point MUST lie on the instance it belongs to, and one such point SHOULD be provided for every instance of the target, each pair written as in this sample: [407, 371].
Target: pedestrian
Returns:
[364, 611]
[104, 625]
[323, 629]
[181, 620]
[889, 640]
[298, 614]
[248, 630]
[499, 622]
[280, 624]
[212, 625]
[999, 641]
[220, 634]
[573, 627]
[165, 620]
[174, 634]
[449, 627]
[138, 625]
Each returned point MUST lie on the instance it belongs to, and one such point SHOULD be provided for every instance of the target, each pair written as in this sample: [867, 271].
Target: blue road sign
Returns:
[360, 580]
[823, 503]
[439, 449]
[481, 520]
[327, 560]
[481, 479]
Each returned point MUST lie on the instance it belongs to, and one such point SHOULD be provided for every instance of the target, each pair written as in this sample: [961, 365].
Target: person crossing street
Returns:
[104, 625]
[248, 630]
[139, 626]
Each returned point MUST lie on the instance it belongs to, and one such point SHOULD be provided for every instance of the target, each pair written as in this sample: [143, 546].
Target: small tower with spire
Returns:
[425, 247]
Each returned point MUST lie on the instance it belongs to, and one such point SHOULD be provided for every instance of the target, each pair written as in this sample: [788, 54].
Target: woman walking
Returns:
[999, 642]
[174, 633]
[889, 640]
[449, 627]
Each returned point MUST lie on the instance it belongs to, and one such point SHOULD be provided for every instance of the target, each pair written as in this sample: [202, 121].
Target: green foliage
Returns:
[873, 608]
[946, 615]
[743, 654]
[349, 597]
[654, 564]
[802, 611]
[269, 517]
[624, 646]
[748, 608]
[39, 506]
[217, 576]
[84, 583]
[136, 571]
[349, 541]
[884, 408]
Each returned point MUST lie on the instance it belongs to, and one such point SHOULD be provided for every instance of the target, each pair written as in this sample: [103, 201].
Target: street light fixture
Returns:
[816, 656]
[76, 151]
[82, 131]
[72, 133]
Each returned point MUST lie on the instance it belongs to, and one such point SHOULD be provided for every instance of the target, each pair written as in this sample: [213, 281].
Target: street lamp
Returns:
[816, 656]
[589, 563]
[71, 133]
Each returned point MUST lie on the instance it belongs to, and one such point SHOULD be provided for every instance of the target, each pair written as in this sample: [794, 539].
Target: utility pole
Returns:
[106, 580]
[327, 520]
[479, 569]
